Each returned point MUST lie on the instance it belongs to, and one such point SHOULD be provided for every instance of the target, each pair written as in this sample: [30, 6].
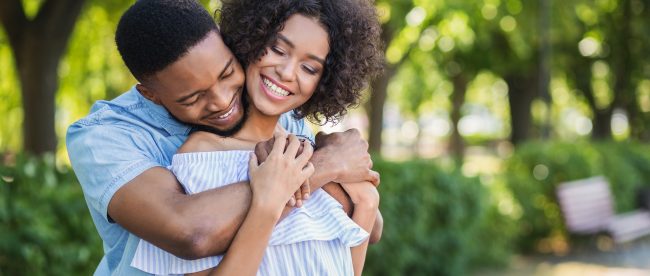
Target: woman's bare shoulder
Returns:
[201, 141]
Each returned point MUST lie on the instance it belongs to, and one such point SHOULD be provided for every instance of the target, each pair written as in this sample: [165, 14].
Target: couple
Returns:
[311, 57]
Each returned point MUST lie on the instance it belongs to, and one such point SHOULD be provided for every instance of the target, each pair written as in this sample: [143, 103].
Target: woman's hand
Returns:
[262, 151]
[364, 195]
[281, 174]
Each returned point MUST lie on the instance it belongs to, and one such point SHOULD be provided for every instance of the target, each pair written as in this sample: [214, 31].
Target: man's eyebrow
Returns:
[226, 67]
[288, 42]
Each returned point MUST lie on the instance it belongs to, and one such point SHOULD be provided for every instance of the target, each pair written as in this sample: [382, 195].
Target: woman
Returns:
[312, 57]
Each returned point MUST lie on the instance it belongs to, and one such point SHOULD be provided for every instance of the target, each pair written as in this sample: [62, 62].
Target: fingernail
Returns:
[306, 196]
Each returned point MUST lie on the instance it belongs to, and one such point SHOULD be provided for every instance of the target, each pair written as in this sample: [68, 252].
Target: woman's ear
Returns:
[148, 94]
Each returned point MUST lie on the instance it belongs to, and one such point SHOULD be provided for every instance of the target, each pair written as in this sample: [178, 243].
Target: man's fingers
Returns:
[354, 132]
[305, 190]
[292, 201]
[261, 151]
[298, 198]
[319, 136]
[307, 171]
[297, 194]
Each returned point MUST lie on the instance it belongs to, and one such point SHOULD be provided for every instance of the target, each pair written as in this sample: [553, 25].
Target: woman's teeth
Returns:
[227, 113]
[275, 89]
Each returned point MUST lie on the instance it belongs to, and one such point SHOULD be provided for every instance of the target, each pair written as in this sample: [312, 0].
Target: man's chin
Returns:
[225, 132]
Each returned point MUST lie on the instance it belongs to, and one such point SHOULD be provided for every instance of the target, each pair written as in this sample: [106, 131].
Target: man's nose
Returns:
[219, 100]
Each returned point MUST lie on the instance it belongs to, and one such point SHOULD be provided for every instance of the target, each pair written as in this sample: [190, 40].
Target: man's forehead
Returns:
[201, 64]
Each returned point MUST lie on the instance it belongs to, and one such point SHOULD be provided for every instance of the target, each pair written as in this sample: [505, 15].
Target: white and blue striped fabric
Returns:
[312, 240]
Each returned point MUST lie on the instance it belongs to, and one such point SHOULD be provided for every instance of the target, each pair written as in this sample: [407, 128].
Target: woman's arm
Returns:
[337, 192]
[247, 250]
[365, 197]
[272, 186]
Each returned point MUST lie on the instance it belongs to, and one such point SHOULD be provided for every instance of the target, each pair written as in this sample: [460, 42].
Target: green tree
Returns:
[37, 45]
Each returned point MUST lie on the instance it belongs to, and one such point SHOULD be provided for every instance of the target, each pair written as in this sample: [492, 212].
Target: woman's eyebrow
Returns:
[293, 46]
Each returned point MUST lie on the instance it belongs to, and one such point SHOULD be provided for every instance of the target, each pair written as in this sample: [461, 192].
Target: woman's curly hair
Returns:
[250, 26]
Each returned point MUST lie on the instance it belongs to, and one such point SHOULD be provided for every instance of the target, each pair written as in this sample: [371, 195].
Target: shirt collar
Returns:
[161, 116]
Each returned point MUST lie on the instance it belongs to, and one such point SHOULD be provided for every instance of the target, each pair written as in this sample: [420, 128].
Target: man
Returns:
[187, 77]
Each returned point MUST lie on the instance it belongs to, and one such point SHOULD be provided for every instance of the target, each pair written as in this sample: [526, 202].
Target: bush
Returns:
[435, 222]
[536, 168]
[45, 226]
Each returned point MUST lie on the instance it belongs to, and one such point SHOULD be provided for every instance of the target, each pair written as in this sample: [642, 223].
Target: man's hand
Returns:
[345, 154]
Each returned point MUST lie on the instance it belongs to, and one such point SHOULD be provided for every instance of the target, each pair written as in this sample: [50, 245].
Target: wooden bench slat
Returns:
[587, 207]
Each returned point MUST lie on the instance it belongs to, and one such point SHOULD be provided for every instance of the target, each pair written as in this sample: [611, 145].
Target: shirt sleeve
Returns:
[296, 126]
[105, 157]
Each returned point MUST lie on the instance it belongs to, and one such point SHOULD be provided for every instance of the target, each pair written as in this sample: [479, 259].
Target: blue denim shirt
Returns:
[117, 141]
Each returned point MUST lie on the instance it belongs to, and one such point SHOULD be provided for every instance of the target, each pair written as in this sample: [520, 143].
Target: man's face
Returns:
[203, 87]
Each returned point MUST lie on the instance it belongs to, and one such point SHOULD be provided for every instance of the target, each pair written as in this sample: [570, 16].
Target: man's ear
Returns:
[147, 93]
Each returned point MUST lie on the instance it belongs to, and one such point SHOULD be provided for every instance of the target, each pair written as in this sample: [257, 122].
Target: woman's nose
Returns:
[287, 71]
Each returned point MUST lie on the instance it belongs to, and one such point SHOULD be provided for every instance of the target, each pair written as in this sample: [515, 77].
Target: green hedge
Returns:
[625, 165]
[45, 226]
[436, 222]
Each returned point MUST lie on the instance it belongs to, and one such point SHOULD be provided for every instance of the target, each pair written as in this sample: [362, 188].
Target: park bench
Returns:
[588, 208]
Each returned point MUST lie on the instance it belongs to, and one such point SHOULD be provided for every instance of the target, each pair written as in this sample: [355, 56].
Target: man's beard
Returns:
[232, 130]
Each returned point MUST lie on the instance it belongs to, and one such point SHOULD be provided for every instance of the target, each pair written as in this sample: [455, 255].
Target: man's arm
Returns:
[154, 207]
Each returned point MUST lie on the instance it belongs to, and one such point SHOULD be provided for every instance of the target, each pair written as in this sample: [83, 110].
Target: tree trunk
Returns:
[521, 92]
[545, 62]
[37, 47]
[602, 124]
[38, 76]
[378, 94]
[624, 92]
[581, 69]
[457, 144]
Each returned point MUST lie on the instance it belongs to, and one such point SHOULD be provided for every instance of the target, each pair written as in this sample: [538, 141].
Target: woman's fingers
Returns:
[279, 143]
[306, 153]
[252, 162]
[292, 147]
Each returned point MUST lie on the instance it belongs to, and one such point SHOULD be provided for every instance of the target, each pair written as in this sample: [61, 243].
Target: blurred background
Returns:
[484, 108]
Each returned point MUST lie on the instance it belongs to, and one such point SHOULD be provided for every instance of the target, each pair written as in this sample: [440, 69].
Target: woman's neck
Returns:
[258, 126]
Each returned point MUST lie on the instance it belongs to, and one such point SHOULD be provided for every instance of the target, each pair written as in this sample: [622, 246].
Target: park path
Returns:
[632, 259]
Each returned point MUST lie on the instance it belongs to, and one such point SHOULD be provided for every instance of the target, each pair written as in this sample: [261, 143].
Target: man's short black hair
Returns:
[153, 34]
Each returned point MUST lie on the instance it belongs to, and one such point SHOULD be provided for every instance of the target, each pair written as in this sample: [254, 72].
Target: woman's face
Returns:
[287, 75]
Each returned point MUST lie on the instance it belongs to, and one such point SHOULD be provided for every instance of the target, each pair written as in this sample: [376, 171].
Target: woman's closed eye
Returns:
[310, 70]
[278, 50]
